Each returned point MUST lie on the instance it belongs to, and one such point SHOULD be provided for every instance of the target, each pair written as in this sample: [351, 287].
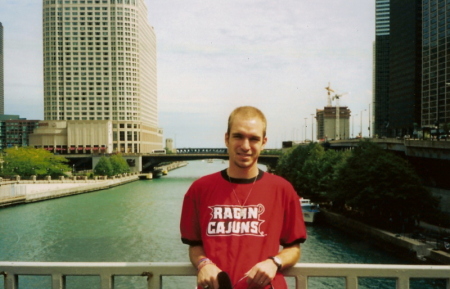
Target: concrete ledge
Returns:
[35, 192]
[12, 201]
[398, 244]
[441, 257]
[439, 144]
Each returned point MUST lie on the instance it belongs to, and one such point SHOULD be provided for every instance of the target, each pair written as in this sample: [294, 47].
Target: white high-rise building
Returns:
[100, 64]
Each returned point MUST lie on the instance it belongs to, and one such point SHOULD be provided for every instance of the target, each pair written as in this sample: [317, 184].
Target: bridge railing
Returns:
[201, 150]
[154, 273]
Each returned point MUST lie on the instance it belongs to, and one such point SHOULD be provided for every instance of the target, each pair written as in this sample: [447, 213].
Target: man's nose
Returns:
[245, 144]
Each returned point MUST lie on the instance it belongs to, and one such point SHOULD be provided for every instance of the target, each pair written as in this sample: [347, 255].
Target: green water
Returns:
[139, 222]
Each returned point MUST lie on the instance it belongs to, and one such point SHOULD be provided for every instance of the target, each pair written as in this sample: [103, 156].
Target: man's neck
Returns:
[241, 173]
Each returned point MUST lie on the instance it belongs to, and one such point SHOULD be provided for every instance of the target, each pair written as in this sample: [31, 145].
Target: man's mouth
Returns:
[244, 155]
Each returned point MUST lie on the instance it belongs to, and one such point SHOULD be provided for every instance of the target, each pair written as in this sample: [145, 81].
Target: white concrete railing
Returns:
[47, 189]
[154, 272]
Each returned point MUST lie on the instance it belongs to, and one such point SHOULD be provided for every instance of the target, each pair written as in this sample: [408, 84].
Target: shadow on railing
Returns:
[154, 273]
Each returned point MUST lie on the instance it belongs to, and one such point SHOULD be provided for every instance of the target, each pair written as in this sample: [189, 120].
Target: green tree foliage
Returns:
[381, 186]
[310, 169]
[368, 181]
[28, 161]
[119, 164]
[290, 163]
[319, 171]
[104, 167]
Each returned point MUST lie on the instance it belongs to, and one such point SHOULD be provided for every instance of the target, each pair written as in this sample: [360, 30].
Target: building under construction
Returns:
[330, 126]
[333, 121]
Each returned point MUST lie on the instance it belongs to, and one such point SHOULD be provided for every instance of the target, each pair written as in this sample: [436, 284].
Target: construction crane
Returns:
[337, 96]
[329, 90]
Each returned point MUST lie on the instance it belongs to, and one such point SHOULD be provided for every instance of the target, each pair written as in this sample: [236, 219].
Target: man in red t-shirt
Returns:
[235, 220]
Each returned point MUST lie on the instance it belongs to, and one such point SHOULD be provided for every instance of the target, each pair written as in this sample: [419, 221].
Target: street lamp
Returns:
[361, 127]
[305, 127]
[370, 122]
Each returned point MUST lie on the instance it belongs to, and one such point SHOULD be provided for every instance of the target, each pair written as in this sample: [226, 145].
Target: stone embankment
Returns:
[172, 166]
[397, 243]
[27, 191]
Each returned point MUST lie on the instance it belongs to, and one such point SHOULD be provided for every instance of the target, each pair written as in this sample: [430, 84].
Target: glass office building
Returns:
[381, 69]
[436, 64]
[405, 72]
[397, 68]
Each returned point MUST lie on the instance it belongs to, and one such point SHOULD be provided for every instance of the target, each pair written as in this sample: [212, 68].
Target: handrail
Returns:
[155, 271]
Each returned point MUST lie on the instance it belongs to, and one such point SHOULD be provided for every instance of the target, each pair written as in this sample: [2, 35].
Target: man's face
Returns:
[245, 141]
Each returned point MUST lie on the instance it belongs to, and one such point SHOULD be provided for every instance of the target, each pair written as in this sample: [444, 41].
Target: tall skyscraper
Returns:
[381, 68]
[2, 79]
[397, 69]
[436, 65]
[100, 64]
[405, 67]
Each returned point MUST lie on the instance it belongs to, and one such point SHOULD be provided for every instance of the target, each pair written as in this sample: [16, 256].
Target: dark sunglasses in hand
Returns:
[225, 281]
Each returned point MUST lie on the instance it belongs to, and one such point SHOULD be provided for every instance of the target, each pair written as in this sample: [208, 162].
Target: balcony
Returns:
[153, 273]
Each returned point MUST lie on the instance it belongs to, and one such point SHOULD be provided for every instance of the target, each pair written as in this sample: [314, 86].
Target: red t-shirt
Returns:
[243, 222]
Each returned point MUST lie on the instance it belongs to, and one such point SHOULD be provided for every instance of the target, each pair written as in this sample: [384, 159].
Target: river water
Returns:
[139, 222]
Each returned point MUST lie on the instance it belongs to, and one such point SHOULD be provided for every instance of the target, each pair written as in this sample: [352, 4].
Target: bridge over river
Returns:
[150, 161]
[431, 159]
[147, 162]
[427, 149]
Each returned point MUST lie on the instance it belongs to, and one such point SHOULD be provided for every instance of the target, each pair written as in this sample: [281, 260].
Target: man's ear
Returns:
[264, 142]
[227, 137]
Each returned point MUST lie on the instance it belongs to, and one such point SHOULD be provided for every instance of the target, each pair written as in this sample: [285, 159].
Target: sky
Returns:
[213, 56]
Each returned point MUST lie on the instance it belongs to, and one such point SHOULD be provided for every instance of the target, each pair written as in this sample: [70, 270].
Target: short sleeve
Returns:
[189, 222]
[294, 229]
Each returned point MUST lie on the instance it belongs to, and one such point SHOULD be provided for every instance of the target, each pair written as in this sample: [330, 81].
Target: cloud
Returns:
[22, 29]
[216, 55]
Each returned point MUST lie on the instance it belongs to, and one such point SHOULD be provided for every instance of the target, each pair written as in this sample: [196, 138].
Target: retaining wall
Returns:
[32, 191]
[398, 244]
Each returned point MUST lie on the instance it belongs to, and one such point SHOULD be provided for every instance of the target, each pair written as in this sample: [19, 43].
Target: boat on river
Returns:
[310, 210]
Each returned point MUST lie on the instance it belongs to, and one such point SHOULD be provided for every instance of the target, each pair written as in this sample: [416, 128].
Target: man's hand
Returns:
[207, 276]
[261, 274]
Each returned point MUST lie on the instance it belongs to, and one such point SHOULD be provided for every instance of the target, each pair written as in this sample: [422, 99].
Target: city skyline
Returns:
[214, 57]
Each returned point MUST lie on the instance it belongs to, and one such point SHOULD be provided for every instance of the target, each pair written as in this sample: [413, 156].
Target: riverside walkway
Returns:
[13, 192]
[18, 191]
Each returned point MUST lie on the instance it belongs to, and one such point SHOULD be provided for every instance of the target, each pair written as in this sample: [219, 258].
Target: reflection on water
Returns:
[138, 222]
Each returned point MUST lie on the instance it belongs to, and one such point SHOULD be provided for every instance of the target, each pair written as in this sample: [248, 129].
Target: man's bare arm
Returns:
[207, 275]
[289, 256]
[263, 273]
